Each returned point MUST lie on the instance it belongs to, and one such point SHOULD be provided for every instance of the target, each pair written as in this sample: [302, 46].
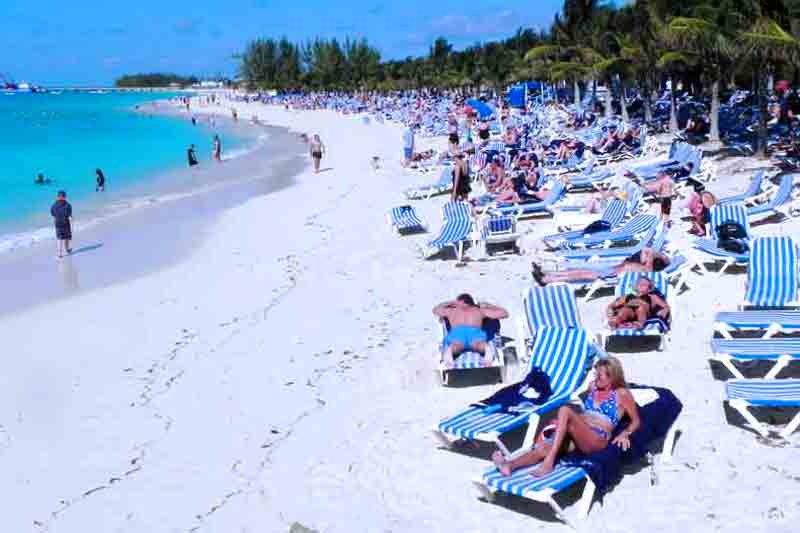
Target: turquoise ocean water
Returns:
[67, 136]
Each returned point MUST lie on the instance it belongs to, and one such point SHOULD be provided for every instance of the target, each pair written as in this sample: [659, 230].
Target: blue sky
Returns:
[78, 42]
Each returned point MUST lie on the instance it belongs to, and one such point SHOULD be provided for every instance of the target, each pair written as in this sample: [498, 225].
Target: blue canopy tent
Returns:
[481, 108]
[518, 93]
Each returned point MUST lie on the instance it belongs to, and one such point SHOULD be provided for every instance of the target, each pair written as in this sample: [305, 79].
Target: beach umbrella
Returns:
[483, 110]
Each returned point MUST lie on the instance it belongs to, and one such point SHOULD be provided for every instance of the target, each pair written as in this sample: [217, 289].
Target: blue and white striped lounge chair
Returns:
[456, 229]
[499, 231]
[469, 360]
[743, 394]
[752, 191]
[603, 254]
[531, 209]
[778, 202]
[443, 185]
[653, 327]
[404, 219]
[561, 353]
[566, 473]
[782, 350]
[720, 214]
[772, 275]
[635, 227]
[771, 322]
[590, 177]
[613, 214]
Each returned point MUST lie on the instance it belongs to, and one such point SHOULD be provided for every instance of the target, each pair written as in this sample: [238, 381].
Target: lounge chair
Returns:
[499, 231]
[531, 209]
[456, 229]
[782, 351]
[590, 177]
[754, 190]
[595, 255]
[635, 227]
[658, 411]
[561, 353]
[779, 201]
[613, 215]
[653, 327]
[719, 215]
[404, 219]
[770, 322]
[469, 360]
[443, 185]
[744, 394]
[772, 274]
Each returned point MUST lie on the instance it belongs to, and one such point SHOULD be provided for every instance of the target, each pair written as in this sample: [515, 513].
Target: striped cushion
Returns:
[710, 247]
[635, 226]
[768, 392]
[521, 482]
[760, 319]
[729, 212]
[405, 217]
[551, 306]
[757, 349]
[772, 275]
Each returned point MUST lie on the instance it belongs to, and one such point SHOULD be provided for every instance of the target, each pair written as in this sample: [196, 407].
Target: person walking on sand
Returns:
[216, 151]
[191, 155]
[317, 150]
[61, 211]
[466, 321]
[408, 145]
[101, 181]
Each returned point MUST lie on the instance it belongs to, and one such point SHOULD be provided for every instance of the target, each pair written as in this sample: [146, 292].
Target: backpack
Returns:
[596, 227]
[731, 230]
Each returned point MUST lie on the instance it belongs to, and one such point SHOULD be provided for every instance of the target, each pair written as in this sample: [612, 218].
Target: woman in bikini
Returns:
[633, 310]
[589, 428]
[317, 150]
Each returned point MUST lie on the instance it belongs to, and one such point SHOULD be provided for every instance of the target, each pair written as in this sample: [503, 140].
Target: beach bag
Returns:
[731, 230]
[596, 227]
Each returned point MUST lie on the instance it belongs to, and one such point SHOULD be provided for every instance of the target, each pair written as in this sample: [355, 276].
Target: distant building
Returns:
[207, 84]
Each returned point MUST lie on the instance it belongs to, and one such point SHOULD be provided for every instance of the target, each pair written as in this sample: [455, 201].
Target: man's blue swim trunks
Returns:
[466, 335]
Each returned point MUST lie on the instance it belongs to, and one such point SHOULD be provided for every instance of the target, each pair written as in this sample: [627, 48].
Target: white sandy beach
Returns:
[283, 372]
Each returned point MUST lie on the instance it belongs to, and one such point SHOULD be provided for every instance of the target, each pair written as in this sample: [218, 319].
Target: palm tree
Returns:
[710, 35]
[766, 43]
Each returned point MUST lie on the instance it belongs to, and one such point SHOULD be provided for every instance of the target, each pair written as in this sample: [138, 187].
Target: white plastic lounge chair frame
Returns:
[744, 394]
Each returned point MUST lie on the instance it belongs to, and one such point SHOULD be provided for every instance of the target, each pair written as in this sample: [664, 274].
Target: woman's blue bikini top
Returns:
[607, 408]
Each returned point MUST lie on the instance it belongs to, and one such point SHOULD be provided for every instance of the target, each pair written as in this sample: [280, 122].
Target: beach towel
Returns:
[605, 466]
[533, 390]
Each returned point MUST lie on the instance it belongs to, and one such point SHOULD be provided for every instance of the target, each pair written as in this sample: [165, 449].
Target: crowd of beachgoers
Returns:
[627, 216]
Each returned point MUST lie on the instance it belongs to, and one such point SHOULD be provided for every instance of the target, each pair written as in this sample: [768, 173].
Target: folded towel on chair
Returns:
[533, 390]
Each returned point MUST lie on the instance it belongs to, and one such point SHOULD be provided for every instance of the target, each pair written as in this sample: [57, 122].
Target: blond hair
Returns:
[614, 369]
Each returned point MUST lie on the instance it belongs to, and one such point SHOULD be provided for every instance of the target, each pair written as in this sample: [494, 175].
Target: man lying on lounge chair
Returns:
[648, 260]
[466, 321]
[633, 310]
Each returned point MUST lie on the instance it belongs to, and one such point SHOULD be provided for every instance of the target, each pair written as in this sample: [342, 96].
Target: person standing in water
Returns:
[317, 150]
[101, 181]
[216, 151]
[192, 156]
[61, 211]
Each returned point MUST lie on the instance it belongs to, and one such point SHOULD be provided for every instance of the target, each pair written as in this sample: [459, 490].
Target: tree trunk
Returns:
[609, 107]
[714, 133]
[577, 89]
[594, 95]
[623, 103]
[673, 108]
[760, 143]
[646, 96]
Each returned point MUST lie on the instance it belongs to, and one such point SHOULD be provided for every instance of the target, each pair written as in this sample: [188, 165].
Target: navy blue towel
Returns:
[511, 397]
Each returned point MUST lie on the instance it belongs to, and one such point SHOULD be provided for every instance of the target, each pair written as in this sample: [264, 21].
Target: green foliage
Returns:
[154, 80]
